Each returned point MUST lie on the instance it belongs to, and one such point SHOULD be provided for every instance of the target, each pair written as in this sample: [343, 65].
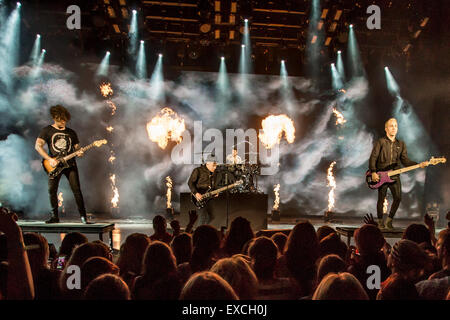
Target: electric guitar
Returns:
[385, 175]
[210, 194]
[62, 160]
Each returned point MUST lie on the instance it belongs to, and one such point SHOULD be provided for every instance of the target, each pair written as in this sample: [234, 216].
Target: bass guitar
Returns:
[385, 175]
[210, 194]
[62, 160]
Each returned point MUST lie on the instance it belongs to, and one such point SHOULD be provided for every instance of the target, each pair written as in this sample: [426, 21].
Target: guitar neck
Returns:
[74, 154]
[221, 189]
[402, 170]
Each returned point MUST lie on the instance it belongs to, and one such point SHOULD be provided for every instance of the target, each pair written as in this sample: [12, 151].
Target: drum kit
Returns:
[247, 172]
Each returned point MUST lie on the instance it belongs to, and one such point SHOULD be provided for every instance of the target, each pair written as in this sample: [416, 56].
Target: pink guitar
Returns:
[385, 175]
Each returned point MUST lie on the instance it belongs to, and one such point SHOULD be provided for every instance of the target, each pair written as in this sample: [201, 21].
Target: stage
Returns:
[117, 230]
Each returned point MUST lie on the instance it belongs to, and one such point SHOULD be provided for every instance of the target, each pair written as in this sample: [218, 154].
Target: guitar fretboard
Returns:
[74, 154]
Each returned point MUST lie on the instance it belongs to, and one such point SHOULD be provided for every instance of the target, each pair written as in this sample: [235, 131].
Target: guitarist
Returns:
[203, 178]
[61, 141]
[387, 154]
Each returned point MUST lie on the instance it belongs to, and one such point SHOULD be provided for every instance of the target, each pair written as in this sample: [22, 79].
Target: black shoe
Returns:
[53, 220]
[84, 220]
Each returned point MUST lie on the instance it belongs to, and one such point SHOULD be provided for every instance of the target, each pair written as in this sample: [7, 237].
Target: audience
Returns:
[160, 228]
[159, 279]
[280, 240]
[45, 279]
[107, 287]
[369, 241]
[300, 257]
[340, 286]
[305, 265]
[239, 275]
[239, 233]
[263, 253]
[397, 288]
[131, 255]
[331, 263]
[182, 247]
[207, 285]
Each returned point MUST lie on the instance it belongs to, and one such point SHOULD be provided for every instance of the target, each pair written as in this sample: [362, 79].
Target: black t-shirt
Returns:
[60, 142]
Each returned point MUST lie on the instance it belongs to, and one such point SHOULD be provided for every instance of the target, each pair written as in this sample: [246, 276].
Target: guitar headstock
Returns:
[435, 161]
[99, 143]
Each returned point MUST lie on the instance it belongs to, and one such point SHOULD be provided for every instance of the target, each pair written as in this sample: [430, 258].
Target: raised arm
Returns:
[20, 280]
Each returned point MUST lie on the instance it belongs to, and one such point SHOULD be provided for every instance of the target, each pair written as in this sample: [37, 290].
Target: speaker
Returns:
[252, 206]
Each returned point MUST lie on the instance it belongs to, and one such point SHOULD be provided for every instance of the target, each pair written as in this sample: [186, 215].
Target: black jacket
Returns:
[387, 155]
[201, 180]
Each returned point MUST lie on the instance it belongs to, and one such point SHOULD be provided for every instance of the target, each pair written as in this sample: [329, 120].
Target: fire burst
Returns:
[110, 129]
[273, 128]
[385, 205]
[112, 157]
[339, 117]
[169, 192]
[61, 201]
[166, 126]
[112, 106]
[106, 89]
[331, 183]
[276, 203]
[115, 198]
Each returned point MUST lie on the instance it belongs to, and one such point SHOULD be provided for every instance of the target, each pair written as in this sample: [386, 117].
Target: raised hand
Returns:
[368, 219]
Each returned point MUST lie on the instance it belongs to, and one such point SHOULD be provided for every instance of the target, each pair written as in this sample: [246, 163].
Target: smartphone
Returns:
[60, 263]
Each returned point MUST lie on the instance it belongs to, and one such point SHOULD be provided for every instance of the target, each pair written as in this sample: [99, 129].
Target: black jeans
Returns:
[396, 190]
[71, 174]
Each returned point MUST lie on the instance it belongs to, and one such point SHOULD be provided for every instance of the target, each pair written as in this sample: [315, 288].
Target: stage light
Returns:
[104, 66]
[160, 55]
[222, 58]
[339, 52]
[282, 61]
[243, 46]
[19, 4]
[141, 63]
[43, 50]
[142, 41]
[351, 26]
[108, 53]
[38, 36]
[245, 20]
[157, 81]
[134, 11]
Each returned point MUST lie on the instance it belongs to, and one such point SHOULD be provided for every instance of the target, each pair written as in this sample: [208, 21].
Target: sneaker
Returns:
[380, 223]
[53, 220]
[84, 220]
[389, 223]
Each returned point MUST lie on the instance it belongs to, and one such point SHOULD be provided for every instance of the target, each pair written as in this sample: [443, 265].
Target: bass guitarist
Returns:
[203, 178]
[61, 141]
[387, 154]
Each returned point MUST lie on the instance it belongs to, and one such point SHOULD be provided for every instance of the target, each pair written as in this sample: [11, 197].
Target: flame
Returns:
[106, 89]
[115, 198]
[164, 127]
[385, 205]
[112, 157]
[331, 182]
[339, 117]
[112, 106]
[61, 201]
[273, 128]
[276, 190]
[169, 192]
[110, 129]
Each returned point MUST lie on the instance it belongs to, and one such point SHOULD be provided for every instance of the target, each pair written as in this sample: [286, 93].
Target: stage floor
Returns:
[125, 227]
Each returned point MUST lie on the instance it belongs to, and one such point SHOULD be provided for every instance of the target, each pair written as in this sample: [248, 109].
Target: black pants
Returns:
[396, 190]
[71, 174]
